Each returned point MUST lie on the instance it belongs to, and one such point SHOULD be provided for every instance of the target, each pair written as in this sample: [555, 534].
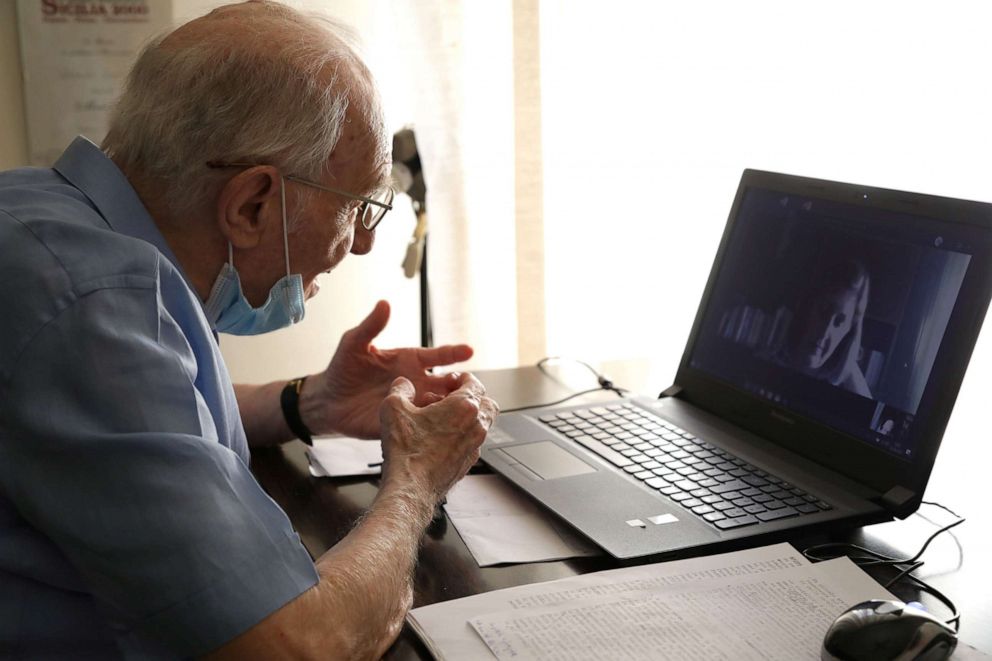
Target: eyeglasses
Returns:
[370, 211]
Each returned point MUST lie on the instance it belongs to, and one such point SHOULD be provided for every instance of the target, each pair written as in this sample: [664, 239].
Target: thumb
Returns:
[402, 388]
[431, 398]
[372, 325]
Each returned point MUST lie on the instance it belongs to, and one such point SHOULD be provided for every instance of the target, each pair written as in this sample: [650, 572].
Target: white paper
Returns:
[341, 456]
[498, 524]
[75, 56]
[782, 614]
[446, 632]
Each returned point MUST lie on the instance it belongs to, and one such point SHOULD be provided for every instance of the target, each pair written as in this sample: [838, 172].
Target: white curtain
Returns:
[653, 109]
[446, 68]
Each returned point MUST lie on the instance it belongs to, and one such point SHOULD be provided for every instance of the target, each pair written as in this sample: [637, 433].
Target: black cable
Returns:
[913, 567]
[876, 558]
[955, 618]
[555, 403]
[868, 558]
[547, 359]
[943, 507]
[604, 382]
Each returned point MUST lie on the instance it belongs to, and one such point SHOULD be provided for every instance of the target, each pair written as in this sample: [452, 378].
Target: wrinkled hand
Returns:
[433, 446]
[345, 398]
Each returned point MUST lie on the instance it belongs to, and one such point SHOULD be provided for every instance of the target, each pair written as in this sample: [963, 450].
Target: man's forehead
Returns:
[380, 177]
[363, 173]
[361, 149]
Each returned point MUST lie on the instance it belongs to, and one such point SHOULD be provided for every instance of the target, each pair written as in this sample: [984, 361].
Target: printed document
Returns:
[782, 614]
[446, 631]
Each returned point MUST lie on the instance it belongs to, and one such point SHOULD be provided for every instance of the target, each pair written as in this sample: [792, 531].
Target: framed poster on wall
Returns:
[75, 55]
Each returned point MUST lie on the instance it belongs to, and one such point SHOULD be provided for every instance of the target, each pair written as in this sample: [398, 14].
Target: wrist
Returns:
[313, 406]
[417, 502]
[293, 402]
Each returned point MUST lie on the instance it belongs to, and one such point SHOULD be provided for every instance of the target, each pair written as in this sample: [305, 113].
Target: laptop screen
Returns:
[836, 311]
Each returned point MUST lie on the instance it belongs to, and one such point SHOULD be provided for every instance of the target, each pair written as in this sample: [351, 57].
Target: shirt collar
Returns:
[87, 168]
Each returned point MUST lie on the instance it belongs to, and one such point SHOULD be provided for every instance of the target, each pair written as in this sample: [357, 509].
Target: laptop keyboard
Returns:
[714, 484]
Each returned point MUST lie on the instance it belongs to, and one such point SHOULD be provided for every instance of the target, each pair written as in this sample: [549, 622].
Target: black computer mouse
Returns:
[887, 631]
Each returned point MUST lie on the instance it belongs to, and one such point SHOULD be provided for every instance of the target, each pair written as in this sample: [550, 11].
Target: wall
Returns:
[13, 134]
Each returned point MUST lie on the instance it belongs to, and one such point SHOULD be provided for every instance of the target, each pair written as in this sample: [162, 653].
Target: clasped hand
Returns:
[434, 445]
[345, 398]
[431, 426]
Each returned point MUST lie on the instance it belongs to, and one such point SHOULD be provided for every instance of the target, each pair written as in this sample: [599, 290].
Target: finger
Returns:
[444, 355]
[402, 389]
[428, 398]
[467, 390]
[469, 385]
[442, 384]
[488, 411]
[371, 326]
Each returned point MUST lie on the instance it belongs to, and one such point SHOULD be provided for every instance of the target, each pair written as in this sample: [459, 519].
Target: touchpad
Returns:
[548, 460]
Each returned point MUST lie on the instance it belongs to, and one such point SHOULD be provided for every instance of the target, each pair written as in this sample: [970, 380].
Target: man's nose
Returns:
[363, 240]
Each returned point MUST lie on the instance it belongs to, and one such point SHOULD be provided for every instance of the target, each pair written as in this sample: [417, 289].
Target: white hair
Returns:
[262, 98]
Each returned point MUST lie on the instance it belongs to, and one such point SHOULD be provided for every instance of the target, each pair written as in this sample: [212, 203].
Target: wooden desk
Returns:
[323, 510]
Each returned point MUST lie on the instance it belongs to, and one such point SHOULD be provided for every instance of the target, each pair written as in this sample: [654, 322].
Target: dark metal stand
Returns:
[426, 323]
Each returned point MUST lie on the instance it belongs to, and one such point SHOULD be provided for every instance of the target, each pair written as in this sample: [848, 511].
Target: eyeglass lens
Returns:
[372, 214]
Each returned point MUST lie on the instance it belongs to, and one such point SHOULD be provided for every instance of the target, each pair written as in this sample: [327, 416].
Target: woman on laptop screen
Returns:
[817, 324]
[823, 339]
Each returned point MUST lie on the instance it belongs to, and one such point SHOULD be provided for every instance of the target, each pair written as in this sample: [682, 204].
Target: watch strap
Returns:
[290, 401]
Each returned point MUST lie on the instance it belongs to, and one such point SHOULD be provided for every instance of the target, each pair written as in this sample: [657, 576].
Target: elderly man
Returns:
[247, 156]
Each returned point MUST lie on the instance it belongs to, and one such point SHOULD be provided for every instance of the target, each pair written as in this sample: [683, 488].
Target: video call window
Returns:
[834, 318]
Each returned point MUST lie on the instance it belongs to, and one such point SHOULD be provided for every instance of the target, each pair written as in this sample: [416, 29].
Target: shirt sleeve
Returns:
[111, 452]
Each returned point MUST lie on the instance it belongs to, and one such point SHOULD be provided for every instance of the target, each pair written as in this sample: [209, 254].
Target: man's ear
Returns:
[248, 203]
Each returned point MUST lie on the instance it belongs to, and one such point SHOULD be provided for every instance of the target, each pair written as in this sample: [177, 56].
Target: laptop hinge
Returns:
[897, 499]
[670, 391]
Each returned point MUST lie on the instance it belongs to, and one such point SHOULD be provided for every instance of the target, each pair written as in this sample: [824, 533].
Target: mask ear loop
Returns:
[285, 223]
[285, 227]
[285, 239]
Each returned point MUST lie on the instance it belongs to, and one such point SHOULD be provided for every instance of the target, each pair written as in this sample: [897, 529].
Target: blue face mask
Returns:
[231, 312]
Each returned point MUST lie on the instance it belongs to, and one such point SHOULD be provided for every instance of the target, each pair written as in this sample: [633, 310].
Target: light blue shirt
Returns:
[130, 524]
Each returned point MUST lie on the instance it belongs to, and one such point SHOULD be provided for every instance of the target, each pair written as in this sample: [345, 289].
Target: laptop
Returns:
[814, 389]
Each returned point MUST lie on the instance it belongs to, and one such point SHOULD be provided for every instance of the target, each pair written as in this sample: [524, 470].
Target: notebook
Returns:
[826, 354]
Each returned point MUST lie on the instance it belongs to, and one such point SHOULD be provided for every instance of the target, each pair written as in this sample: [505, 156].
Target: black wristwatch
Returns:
[290, 400]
